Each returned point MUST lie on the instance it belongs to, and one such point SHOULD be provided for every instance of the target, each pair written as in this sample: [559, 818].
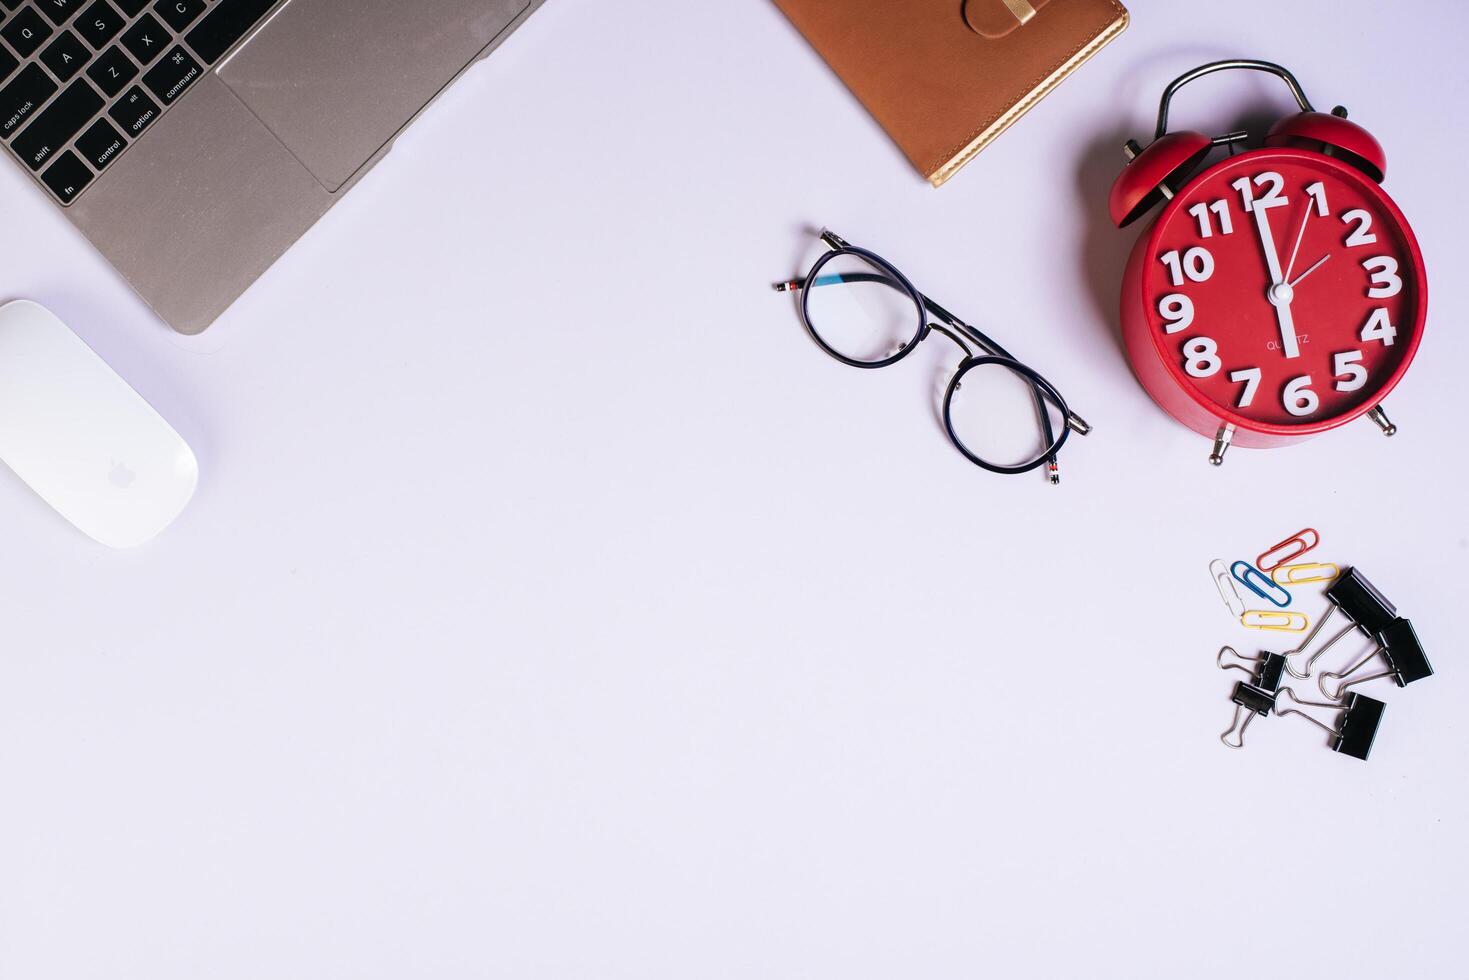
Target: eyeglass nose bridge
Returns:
[930, 326]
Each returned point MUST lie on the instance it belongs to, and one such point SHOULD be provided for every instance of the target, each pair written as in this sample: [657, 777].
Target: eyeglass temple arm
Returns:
[958, 331]
[1076, 422]
[834, 243]
[972, 334]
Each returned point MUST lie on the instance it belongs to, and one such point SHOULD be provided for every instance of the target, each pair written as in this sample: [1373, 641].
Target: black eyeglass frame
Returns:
[962, 334]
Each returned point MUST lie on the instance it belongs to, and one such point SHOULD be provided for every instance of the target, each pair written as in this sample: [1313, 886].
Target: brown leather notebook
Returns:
[945, 77]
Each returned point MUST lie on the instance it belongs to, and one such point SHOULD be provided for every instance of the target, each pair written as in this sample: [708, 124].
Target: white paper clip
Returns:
[1228, 591]
[1270, 619]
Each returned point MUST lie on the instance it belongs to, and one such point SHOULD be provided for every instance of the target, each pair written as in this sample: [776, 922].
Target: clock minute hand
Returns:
[1279, 293]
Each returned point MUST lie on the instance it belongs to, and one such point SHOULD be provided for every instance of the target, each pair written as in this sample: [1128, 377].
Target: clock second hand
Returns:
[1319, 262]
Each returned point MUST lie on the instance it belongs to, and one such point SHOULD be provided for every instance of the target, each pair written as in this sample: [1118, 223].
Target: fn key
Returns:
[176, 72]
[67, 176]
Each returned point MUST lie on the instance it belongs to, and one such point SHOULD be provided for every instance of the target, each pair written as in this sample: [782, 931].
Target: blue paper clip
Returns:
[1259, 583]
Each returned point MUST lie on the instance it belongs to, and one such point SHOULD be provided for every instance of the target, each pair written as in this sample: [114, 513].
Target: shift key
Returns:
[176, 72]
[49, 132]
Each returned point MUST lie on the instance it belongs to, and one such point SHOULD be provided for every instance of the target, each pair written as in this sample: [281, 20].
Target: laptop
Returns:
[194, 141]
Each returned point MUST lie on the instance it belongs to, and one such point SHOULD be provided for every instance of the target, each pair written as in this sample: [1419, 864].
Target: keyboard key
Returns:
[65, 56]
[67, 177]
[59, 10]
[229, 21]
[8, 64]
[112, 71]
[176, 72]
[22, 97]
[57, 123]
[26, 32]
[146, 39]
[134, 112]
[131, 7]
[99, 24]
[100, 144]
[179, 13]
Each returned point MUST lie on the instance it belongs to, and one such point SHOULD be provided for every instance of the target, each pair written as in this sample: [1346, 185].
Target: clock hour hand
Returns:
[1279, 293]
[1267, 242]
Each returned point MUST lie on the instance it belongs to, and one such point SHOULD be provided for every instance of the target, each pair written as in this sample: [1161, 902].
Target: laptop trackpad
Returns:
[336, 79]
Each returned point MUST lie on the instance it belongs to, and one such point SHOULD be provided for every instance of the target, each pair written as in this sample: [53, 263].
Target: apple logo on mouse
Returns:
[121, 476]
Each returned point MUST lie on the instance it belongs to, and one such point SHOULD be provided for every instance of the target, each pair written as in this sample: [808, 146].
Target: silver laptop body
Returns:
[194, 141]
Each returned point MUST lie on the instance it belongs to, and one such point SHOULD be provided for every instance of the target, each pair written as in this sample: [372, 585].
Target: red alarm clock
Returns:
[1280, 293]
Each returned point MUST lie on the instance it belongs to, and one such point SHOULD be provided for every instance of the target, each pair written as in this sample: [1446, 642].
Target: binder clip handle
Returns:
[1356, 728]
[1249, 701]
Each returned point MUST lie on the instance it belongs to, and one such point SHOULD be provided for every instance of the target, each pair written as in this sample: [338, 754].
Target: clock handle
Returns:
[1236, 63]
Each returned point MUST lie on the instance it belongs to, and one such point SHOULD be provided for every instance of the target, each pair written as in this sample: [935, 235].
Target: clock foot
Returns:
[1221, 444]
[1383, 422]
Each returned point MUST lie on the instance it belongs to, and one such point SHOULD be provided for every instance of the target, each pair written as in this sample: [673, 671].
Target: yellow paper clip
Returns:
[1305, 573]
[1269, 619]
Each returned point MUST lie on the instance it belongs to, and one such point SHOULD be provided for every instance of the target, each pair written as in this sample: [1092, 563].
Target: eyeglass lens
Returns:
[995, 416]
[859, 310]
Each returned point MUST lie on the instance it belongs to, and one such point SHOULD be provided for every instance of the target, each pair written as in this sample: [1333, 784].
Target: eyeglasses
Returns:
[862, 311]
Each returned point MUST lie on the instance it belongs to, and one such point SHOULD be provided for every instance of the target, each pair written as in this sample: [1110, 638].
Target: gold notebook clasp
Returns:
[995, 19]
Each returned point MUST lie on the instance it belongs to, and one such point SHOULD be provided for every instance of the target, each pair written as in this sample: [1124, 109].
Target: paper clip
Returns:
[1260, 584]
[1400, 650]
[1288, 550]
[1228, 591]
[1365, 608]
[1304, 574]
[1255, 697]
[1269, 619]
[1354, 732]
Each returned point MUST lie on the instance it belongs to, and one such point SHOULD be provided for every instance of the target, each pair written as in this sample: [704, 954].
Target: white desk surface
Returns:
[551, 607]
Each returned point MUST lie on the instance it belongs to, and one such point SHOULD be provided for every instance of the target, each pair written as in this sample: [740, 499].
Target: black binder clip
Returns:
[1399, 648]
[1358, 599]
[1253, 697]
[1355, 729]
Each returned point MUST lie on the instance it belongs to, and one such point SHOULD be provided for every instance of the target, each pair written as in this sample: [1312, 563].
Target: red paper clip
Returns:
[1288, 550]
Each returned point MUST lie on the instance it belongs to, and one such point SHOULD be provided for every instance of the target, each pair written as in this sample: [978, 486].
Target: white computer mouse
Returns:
[82, 438]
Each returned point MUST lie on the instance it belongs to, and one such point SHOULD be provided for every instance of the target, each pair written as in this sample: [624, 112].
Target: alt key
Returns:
[67, 177]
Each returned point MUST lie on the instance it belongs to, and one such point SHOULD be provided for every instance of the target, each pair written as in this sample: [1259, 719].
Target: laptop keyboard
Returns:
[80, 80]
